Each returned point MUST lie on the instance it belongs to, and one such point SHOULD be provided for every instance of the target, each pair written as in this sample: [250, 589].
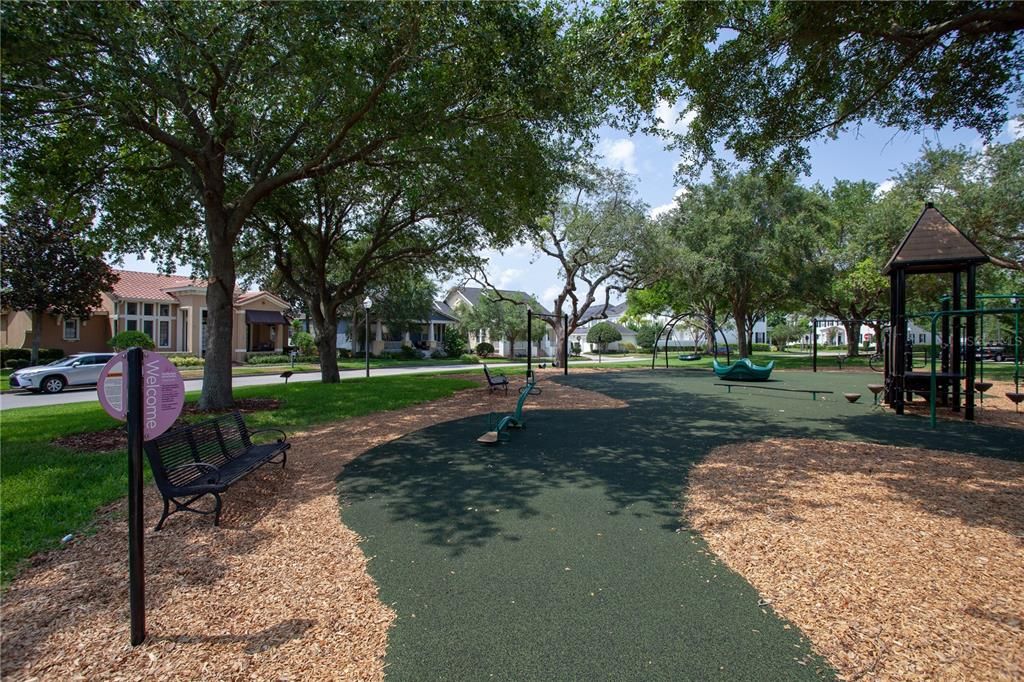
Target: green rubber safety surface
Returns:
[561, 554]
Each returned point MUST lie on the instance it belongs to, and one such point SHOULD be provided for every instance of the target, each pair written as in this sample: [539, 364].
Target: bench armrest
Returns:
[197, 465]
[283, 438]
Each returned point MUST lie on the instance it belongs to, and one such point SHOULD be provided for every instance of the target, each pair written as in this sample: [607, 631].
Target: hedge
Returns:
[45, 354]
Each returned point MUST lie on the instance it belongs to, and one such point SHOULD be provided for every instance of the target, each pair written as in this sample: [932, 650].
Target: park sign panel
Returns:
[163, 391]
[145, 390]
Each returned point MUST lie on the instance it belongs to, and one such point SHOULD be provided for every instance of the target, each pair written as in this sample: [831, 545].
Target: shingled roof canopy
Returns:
[934, 245]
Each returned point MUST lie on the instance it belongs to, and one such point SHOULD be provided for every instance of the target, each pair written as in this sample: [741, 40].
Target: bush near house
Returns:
[127, 339]
[305, 342]
[484, 349]
[8, 355]
[454, 345]
[186, 361]
[410, 353]
[467, 359]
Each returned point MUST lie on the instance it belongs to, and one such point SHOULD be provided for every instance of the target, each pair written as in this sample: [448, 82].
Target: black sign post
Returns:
[136, 565]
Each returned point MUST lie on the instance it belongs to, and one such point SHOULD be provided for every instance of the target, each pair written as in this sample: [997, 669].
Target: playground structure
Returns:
[935, 246]
[666, 333]
[743, 370]
[514, 420]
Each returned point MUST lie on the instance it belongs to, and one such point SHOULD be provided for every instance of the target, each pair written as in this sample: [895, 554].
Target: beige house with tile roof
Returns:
[171, 309]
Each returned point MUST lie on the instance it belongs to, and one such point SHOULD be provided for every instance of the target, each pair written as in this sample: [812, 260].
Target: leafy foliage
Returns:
[454, 344]
[503, 315]
[484, 349]
[602, 334]
[127, 339]
[49, 268]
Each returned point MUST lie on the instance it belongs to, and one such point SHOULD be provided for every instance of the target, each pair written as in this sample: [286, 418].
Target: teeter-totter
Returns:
[515, 420]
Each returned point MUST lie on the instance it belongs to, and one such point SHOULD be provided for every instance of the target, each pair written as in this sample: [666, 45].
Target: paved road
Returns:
[14, 400]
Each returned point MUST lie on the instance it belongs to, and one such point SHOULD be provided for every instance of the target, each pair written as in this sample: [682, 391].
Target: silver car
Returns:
[81, 369]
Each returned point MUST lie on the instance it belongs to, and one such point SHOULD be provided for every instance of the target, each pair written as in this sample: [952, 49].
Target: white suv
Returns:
[81, 369]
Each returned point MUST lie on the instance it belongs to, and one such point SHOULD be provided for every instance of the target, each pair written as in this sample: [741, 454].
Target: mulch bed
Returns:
[996, 409]
[279, 591]
[111, 440]
[897, 563]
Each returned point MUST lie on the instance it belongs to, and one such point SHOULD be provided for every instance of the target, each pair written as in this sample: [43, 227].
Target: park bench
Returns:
[207, 458]
[496, 382]
[813, 391]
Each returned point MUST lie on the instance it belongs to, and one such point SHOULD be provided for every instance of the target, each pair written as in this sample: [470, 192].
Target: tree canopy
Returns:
[766, 78]
[49, 269]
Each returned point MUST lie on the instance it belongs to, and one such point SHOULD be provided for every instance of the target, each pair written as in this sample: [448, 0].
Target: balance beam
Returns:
[813, 391]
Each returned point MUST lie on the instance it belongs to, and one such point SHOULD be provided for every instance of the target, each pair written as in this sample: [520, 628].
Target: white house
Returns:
[470, 296]
[593, 315]
[429, 335]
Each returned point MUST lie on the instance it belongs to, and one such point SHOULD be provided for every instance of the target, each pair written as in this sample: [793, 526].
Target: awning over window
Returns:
[264, 317]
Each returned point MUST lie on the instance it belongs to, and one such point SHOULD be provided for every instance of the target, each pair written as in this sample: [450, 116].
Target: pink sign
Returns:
[163, 391]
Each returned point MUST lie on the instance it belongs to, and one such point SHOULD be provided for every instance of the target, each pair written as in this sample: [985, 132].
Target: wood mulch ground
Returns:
[995, 410]
[898, 563]
[279, 591]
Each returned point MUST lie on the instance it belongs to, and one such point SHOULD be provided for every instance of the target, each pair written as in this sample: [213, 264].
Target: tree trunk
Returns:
[740, 315]
[511, 347]
[559, 336]
[37, 336]
[852, 338]
[220, 317]
[325, 323]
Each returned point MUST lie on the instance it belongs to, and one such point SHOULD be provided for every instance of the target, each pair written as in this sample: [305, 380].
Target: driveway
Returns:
[14, 400]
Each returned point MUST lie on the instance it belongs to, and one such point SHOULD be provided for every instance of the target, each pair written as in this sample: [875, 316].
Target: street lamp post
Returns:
[367, 304]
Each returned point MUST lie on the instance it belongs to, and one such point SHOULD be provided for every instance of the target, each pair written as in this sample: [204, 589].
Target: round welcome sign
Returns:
[163, 391]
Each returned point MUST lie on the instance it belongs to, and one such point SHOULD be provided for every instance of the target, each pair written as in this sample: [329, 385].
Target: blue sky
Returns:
[867, 153]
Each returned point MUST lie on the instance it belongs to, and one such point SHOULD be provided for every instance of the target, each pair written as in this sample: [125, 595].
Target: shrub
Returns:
[127, 339]
[646, 334]
[467, 359]
[760, 347]
[344, 353]
[575, 348]
[45, 355]
[454, 344]
[305, 342]
[306, 359]
[17, 364]
[438, 354]
[186, 360]
[484, 349]
[628, 347]
[268, 359]
[410, 353]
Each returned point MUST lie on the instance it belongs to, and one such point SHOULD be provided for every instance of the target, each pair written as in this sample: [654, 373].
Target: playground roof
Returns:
[934, 245]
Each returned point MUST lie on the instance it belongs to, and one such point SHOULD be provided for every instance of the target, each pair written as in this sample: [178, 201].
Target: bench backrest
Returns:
[488, 375]
[213, 442]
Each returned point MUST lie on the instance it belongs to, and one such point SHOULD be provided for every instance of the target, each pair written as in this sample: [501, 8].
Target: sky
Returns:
[868, 153]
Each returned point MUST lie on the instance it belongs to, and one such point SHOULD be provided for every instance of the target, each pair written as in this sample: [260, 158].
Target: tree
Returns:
[126, 339]
[228, 103]
[595, 232]
[405, 302]
[767, 78]
[646, 333]
[49, 268]
[602, 334]
[751, 239]
[786, 332]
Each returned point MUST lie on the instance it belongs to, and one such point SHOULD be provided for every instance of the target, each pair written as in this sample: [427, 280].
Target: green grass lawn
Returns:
[5, 379]
[50, 491]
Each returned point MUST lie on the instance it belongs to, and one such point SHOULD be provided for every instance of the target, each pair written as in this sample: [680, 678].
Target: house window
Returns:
[131, 308]
[147, 328]
[71, 329]
[165, 310]
[920, 338]
[147, 309]
[131, 325]
[165, 334]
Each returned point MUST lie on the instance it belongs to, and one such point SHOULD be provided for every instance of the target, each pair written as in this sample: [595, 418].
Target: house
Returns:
[171, 309]
[611, 314]
[428, 337]
[470, 296]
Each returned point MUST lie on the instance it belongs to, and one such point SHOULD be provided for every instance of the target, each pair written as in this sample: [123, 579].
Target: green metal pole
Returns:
[934, 383]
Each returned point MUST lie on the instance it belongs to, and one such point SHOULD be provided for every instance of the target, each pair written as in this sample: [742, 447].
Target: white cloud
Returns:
[619, 153]
[884, 187]
[508, 277]
[547, 299]
[1015, 126]
[671, 121]
[659, 211]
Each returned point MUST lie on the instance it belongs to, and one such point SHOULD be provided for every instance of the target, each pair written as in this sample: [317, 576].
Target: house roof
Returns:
[443, 313]
[934, 245]
[603, 311]
[150, 286]
[472, 294]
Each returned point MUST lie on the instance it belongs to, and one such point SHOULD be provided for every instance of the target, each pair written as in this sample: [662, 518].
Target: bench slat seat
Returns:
[497, 381]
[206, 459]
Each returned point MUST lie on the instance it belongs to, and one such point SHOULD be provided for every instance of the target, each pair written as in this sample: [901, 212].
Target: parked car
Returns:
[996, 352]
[81, 369]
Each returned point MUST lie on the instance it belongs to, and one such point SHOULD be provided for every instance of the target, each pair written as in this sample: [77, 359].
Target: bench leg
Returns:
[216, 510]
[167, 512]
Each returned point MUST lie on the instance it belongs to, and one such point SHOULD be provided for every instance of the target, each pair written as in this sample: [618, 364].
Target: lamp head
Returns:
[367, 303]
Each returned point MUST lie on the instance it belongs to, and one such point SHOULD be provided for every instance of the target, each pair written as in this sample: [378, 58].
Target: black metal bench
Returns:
[206, 459]
[813, 391]
[496, 382]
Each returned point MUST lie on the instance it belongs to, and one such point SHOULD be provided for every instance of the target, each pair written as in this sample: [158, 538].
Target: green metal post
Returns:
[934, 383]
